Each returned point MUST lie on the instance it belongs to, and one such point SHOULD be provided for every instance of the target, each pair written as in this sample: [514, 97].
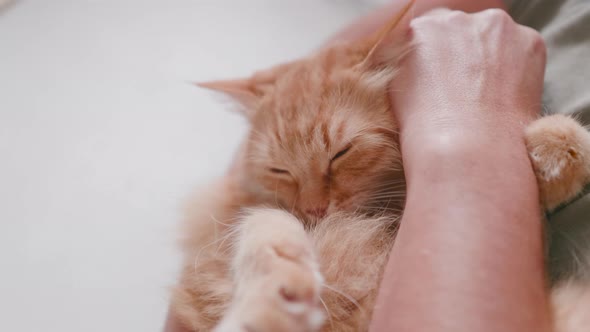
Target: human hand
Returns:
[470, 77]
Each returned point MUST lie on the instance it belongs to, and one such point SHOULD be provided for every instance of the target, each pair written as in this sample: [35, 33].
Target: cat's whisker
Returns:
[380, 205]
[357, 210]
[384, 190]
[391, 130]
[390, 181]
[387, 195]
[389, 201]
[397, 180]
[231, 233]
[198, 255]
[387, 191]
[383, 209]
[328, 313]
[346, 296]
[381, 201]
[384, 201]
[389, 186]
[217, 221]
[215, 226]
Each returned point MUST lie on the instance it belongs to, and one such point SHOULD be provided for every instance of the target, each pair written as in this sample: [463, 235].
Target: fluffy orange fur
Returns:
[297, 238]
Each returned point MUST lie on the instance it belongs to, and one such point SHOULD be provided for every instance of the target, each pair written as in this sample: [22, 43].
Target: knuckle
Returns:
[538, 44]
[437, 12]
[457, 16]
[533, 35]
[498, 15]
[534, 43]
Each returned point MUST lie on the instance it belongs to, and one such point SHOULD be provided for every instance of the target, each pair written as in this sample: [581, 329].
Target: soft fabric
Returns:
[565, 26]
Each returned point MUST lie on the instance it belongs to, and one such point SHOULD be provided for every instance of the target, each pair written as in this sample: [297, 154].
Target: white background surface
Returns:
[101, 139]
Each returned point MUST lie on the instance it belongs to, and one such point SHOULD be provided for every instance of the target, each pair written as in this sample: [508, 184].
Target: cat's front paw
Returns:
[285, 300]
[277, 278]
[559, 148]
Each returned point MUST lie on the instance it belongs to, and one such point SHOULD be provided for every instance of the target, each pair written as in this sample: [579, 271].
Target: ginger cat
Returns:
[297, 238]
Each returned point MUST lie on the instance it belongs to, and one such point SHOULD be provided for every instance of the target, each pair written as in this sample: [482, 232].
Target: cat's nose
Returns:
[318, 212]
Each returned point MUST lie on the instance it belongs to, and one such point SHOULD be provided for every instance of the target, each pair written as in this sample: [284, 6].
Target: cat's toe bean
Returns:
[297, 281]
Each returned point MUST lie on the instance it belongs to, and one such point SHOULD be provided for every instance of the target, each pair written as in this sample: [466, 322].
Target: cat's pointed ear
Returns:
[392, 41]
[249, 91]
[242, 91]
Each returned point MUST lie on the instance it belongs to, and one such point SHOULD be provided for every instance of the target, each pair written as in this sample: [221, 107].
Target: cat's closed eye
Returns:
[279, 171]
[341, 153]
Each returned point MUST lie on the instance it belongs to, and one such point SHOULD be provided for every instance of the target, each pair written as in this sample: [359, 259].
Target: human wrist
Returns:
[489, 183]
[451, 123]
[441, 111]
[481, 157]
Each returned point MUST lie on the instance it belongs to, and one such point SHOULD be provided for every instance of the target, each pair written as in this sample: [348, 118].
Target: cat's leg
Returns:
[276, 277]
[559, 148]
[205, 287]
[203, 293]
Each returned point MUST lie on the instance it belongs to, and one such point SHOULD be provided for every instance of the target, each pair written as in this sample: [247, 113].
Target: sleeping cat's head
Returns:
[323, 137]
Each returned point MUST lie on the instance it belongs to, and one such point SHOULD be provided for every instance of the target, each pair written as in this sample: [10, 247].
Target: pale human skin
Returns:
[468, 256]
[468, 274]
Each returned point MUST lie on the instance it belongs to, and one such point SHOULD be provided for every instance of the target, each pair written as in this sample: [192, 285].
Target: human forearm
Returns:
[465, 227]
